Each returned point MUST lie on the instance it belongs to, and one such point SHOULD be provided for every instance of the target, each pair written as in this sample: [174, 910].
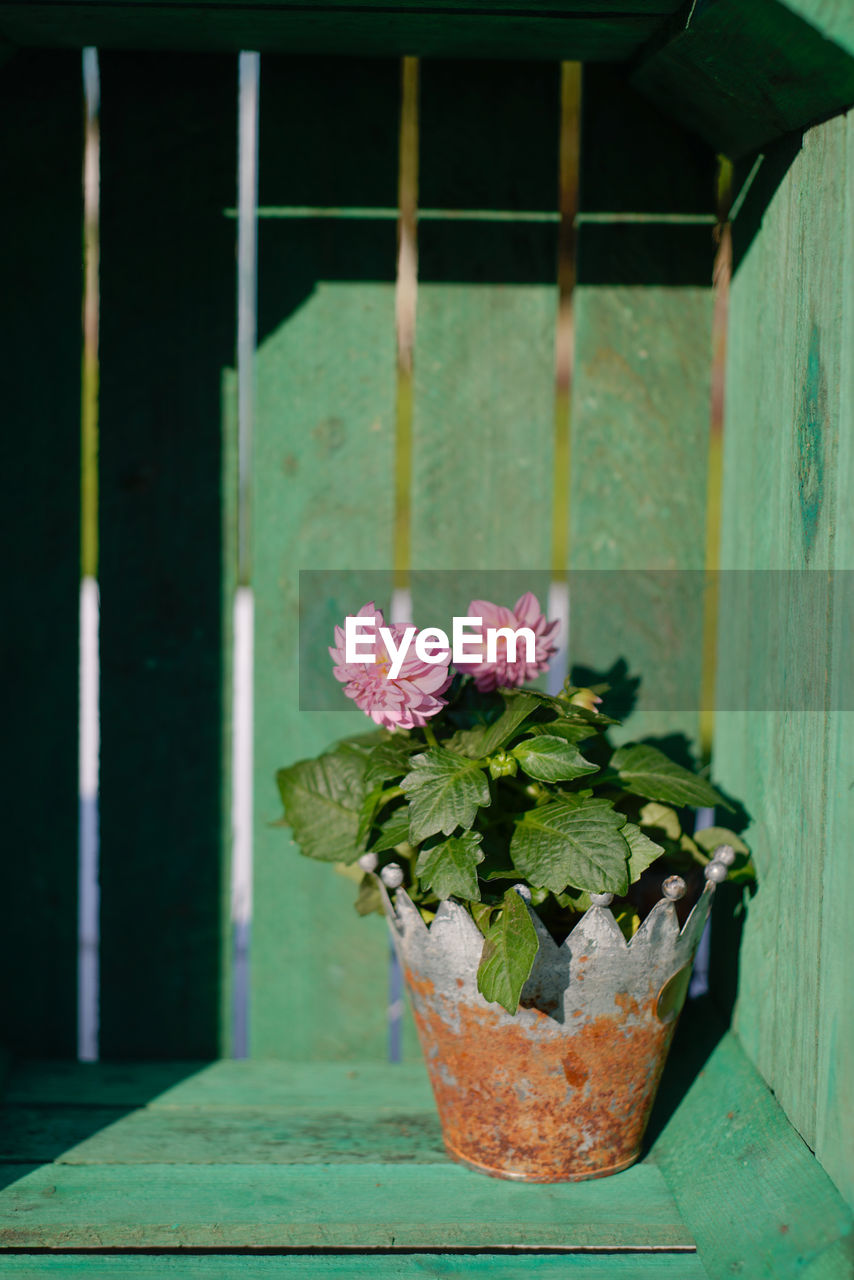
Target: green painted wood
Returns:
[227, 1083]
[323, 500]
[836, 1016]
[167, 341]
[176, 1136]
[363, 1206]
[784, 641]
[833, 18]
[41, 280]
[735, 1167]
[756, 1199]
[744, 75]
[437, 1266]
[484, 382]
[485, 28]
[640, 405]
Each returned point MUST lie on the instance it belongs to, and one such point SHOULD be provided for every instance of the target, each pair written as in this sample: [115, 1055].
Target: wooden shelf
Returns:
[323, 1164]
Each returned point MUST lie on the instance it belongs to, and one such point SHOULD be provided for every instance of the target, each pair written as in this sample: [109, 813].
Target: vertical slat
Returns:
[836, 1010]
[787, 752]
[323, 498]
[168, 341]
[40, 338]
[484, 385]
[640, 406]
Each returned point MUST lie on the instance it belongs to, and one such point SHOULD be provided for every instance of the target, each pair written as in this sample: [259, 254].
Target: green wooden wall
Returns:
[641, 403]
[323, 499]
[167, 344]
[41, 280]
[785, 656]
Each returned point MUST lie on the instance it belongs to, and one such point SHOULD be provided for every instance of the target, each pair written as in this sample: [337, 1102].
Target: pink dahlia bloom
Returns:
[406, 702]
[502, 674]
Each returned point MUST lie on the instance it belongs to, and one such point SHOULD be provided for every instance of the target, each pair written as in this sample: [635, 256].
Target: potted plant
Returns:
[521, 846]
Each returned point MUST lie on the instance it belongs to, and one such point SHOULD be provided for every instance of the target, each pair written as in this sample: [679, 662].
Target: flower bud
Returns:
[502, 765]
[585, 698]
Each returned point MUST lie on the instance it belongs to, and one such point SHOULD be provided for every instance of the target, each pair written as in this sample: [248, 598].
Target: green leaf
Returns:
[552, 759]
[481, 914]
[449, 868]
[648, 772]
[369, 809]
[662, 818]
[394, 831]
[572, 842]
[390, 760]
[445, 791]
[564, 727]
[508, 955]
[322, 800]
[642, 851]
[368, 899]
[485, 739]
[710, 837]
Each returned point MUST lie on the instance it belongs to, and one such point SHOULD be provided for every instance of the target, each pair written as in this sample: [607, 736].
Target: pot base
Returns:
[509, 1176]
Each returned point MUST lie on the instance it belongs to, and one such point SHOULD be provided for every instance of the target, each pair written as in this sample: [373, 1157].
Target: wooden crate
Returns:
[317, 1157]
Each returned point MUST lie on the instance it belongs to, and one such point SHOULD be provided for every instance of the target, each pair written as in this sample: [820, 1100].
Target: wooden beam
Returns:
[741, 75]
[555, 29]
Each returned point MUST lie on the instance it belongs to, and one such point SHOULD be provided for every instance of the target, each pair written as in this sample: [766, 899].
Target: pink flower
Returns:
[405, 702]
[501, 673]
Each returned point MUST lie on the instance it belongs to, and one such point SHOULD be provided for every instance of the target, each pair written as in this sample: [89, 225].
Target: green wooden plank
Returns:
[640, 405]
[755, 1197]
[167, 340]
[744, 75]
[484, 29]
[177, 1136]
[648, 1266]
[836, 1015]
[323, 499]
[351, 1206]
[787, 751]
[41, 280]
[484, 382]
[227, 1083]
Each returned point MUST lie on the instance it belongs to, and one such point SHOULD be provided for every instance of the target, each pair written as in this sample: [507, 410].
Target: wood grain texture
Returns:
[227, 1083]
[484, 29]
[483, 429]
[755, 1198]
[167, 340]
[640, 405]
[744, 75]
[335, 1206]
[413, 1266]
[323, 499]
[836, 1011]
[784, 639]
[41, 280]
[249, 1136]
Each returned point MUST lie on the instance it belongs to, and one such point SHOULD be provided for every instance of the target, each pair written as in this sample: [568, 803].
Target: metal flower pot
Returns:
[562, 1090]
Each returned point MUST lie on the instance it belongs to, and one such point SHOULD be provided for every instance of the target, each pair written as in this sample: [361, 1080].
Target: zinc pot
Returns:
[561, 1090]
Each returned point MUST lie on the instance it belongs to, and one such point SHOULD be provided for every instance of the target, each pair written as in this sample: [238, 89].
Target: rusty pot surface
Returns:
[563, 1089]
